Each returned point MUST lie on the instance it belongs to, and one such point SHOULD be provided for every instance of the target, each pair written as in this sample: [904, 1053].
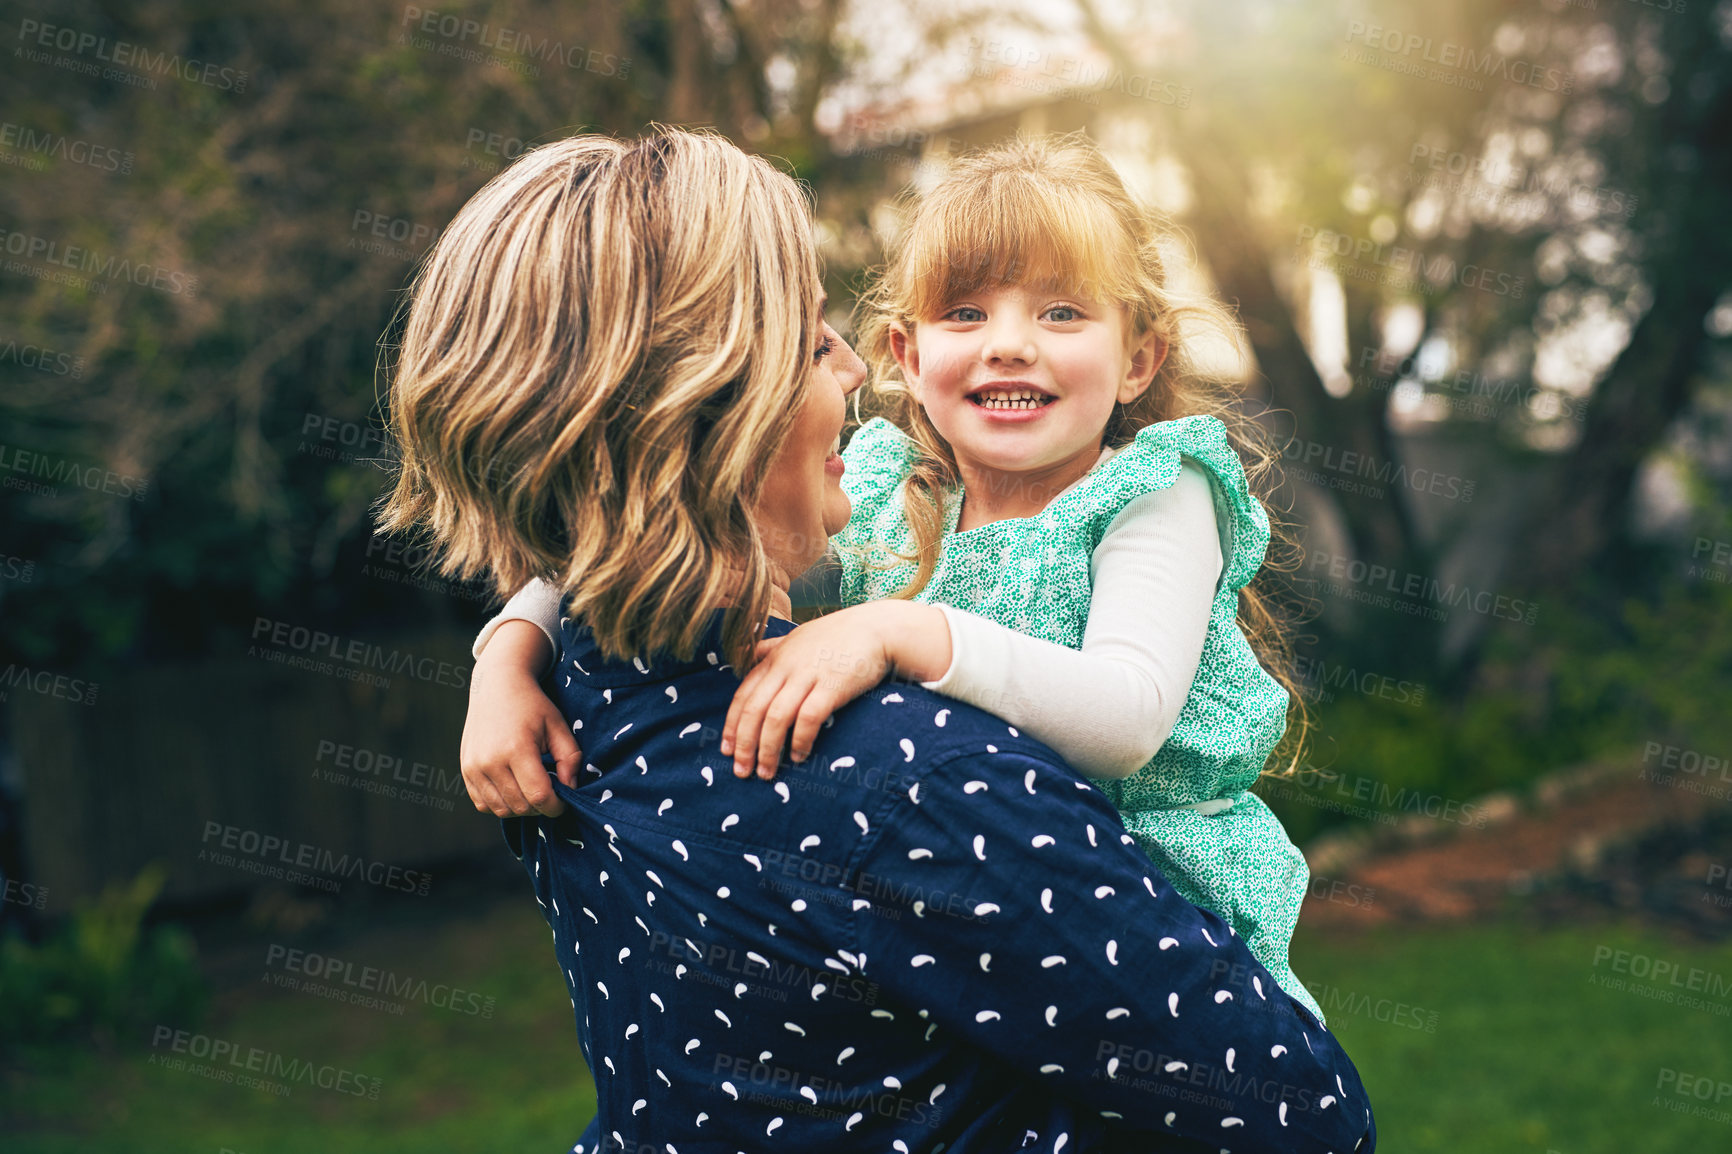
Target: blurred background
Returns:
[1483, 256]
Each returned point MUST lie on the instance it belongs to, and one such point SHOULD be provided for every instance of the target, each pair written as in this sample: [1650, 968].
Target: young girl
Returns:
[1052, 525]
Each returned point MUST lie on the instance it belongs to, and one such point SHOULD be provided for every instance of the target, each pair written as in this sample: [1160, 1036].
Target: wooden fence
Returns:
[237, 773]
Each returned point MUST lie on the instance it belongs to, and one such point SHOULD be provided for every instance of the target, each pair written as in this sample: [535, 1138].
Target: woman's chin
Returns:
[837, 510]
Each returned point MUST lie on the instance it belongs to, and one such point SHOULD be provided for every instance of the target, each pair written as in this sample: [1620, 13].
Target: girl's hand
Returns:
[511, 723]
[800, 679]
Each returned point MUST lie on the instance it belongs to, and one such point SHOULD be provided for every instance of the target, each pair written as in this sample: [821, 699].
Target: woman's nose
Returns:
[850, 370]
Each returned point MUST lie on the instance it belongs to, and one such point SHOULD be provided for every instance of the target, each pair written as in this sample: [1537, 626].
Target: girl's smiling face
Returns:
[1020, 379]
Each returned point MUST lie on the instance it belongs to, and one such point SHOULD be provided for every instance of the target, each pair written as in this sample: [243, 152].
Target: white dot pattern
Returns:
[879, 955]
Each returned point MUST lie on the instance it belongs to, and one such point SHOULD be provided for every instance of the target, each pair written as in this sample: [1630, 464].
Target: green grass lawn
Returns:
[449, 1082]
[1529, 1051]
[1487, 1039]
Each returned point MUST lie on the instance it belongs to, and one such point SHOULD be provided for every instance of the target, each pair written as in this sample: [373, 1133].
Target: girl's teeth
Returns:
[1004, 403]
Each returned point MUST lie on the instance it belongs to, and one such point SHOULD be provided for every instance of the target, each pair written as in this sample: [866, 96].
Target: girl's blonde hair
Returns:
[1053, 212]
[602, 351]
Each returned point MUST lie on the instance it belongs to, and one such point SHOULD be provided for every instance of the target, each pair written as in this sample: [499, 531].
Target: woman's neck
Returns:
[781, 602]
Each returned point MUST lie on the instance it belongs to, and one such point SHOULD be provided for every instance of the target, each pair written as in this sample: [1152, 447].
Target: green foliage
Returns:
[102, 974]
[1584, 683]
[299, 203]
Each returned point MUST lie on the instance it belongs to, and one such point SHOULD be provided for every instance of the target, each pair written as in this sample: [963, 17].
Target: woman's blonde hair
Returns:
[1052, 211]
[601, 352]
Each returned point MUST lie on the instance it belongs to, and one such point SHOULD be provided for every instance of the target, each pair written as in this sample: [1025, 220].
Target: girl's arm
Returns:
[536, 603]
[511, 721]
[802, 677]
[513, 715]
[1106, 709]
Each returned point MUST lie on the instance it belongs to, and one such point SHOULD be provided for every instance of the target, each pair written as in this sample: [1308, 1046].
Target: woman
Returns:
[628, 413]
[615, 374]
[698, 439]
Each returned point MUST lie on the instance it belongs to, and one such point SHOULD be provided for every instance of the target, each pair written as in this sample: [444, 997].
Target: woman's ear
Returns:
[1147, 354]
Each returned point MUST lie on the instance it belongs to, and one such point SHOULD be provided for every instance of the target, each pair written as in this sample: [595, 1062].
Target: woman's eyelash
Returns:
[825, 348]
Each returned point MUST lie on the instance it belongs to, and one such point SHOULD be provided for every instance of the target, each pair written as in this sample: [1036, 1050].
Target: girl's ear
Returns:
[907, 356]
[1148, 354]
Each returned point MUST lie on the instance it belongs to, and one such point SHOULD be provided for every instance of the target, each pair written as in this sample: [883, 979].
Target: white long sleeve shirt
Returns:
[1108, 707]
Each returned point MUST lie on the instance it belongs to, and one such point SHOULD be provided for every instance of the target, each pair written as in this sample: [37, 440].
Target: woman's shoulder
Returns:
[1152, 461]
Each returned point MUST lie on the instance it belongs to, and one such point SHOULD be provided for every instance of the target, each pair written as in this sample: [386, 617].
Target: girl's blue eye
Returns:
[976, 317]
[1064, 309]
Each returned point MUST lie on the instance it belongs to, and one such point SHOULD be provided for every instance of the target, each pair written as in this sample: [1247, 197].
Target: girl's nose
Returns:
[1007, 338]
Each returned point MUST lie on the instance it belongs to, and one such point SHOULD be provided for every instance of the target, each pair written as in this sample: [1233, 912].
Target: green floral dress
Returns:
[1219, 846]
